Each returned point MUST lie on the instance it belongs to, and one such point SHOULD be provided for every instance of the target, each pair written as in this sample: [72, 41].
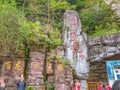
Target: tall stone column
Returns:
[35, 69]
[75, 46]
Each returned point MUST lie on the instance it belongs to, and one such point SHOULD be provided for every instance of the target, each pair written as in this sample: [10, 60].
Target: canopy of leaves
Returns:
[42, 23]
[11, 23]
[14, 29]
[46, 36]
[45, 17]
[97, 17]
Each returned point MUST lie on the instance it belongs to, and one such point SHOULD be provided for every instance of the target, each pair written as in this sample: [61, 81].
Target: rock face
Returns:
[75, 45]
[103, 46]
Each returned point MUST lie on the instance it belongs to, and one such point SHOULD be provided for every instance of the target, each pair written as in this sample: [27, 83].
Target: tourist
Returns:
[100, 86]
[2, 86]
[104, 87]
[77, 85]
[116, 85]
[108, 87]
[21, 84]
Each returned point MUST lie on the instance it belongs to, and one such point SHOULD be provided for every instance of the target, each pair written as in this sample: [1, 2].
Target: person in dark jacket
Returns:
[104, 87]
[116, 85]
[21, 84]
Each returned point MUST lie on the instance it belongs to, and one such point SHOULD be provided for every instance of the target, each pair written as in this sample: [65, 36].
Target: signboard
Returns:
[113, 71]
[8, 67]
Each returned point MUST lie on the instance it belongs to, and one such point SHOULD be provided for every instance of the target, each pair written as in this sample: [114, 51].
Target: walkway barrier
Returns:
[93, 85]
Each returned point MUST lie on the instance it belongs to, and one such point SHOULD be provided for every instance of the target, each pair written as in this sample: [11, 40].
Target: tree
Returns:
[46, 15]
[11, 25]
[97, 17]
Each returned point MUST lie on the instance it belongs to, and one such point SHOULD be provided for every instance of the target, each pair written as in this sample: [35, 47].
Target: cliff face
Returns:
[102, 49]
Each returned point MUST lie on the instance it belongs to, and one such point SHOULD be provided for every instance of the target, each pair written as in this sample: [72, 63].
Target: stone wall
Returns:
[46, 65]
[35, 69]
[98, 72]
[57, 73]
[101, 49]
[12, 68]
[61, 76]
[39, 68]
[103, 46]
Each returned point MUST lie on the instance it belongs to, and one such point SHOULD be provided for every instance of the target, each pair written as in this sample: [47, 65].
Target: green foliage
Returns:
[30, 88]
[49, 85]
[47, 11]
[45, 36]
[59, 59]
[60, 5]
[110, 28]
[44, 21]
[10, 24]
[96, 14]
[15, 30]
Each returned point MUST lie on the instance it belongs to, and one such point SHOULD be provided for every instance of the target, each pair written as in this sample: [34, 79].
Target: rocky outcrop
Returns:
[103, 46]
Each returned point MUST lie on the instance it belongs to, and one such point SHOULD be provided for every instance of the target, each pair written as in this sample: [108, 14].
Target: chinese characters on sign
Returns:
[8, 65]
[15, 67]
[73, 37]
[75, 43]
[60, 67]
[18, 67]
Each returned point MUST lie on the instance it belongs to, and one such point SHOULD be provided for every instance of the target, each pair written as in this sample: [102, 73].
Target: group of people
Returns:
[104, 87]
[21, 85]
[115, 86]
